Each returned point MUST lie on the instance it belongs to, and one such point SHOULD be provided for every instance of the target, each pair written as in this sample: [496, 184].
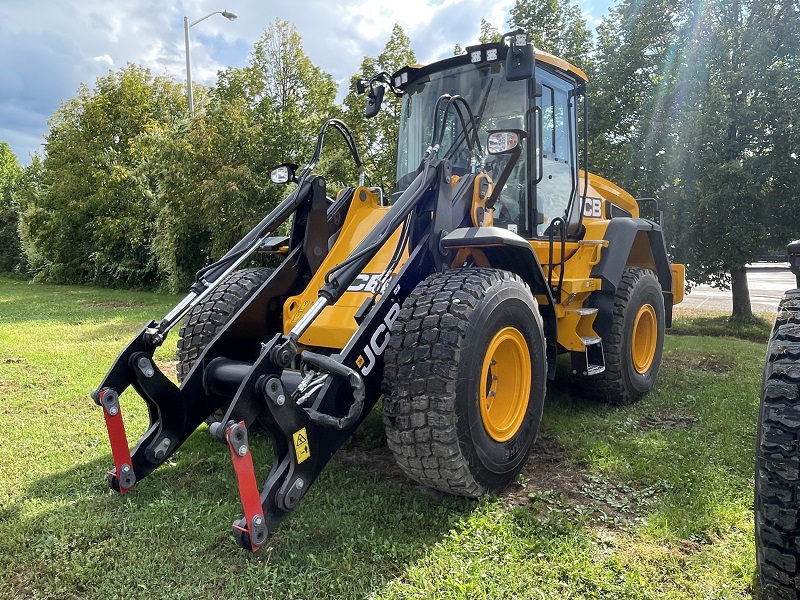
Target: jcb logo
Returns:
[593, 207]
[378, 341]
[366, 282]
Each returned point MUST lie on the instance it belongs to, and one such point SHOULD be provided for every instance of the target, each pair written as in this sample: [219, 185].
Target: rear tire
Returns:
[464, 378]
[777, 489]
[633, 346]
[208, 318]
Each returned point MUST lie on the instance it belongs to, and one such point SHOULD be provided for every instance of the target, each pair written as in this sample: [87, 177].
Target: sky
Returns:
[49, 47]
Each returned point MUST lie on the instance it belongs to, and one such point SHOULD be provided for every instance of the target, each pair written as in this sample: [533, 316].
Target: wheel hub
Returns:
[644, 339]
[505, 385]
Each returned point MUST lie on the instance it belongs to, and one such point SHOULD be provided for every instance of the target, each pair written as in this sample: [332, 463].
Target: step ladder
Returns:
[591, 360]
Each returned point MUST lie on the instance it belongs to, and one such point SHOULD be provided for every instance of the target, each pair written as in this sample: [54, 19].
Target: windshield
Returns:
[496, 103]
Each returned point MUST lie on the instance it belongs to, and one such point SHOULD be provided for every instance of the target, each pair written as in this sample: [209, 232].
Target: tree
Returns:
[634, 105]
[378, 136]
[742, 190]
[213, 173]
[694, 103]
[489, 33]
[556, 26]
[88, 216]
[10, 249]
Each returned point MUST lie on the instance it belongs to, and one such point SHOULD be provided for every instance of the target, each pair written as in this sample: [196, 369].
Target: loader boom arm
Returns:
[307, 428]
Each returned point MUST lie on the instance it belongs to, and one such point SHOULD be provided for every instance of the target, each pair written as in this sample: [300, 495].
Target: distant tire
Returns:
[777, 473]
[634, 345]
[464, 381]
[206, 319]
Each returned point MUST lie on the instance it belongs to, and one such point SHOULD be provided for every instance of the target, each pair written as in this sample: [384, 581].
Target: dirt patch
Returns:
[547, 470]
[549, 480]
[168, 368]
[110, 304]
[665, 422]
[700, 364]
[12, 361]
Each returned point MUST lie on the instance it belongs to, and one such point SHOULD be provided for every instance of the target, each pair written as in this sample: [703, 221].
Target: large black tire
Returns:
[635, 342]
[206, 319]
[777, 491]
[464, 381]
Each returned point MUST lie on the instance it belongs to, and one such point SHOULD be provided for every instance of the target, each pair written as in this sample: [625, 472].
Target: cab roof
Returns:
[482, 54]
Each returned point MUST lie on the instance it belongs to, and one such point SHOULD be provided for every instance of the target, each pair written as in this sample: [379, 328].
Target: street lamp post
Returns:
[186, 25]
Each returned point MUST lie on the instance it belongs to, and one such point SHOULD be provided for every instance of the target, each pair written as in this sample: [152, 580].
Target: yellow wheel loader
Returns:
[450, 299]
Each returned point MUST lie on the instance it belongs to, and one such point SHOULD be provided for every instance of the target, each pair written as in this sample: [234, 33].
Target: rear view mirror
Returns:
[502, 142]
[285, 173]
[374, 101]
[520, 59]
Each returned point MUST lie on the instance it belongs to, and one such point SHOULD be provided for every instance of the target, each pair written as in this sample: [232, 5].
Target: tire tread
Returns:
[421, 365]
[207, 318]
[777, 496]
[609, 386]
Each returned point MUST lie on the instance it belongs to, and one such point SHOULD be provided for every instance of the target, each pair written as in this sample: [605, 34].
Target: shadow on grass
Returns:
[354, 531]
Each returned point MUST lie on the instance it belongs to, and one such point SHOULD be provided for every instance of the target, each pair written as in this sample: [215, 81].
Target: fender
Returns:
[622, 234]
[508, 251]
[631, 242]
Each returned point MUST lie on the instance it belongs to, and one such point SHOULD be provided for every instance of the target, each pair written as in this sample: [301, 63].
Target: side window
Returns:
[558, 157]
[561, 126]
[548, 122]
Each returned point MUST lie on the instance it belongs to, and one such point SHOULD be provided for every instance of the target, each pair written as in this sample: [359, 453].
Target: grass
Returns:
[649, 501]
[705, 323]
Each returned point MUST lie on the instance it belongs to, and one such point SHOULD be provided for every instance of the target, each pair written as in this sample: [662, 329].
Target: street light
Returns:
[186, 25]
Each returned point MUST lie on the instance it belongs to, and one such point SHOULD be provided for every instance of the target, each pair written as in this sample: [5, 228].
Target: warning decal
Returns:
[301, 447]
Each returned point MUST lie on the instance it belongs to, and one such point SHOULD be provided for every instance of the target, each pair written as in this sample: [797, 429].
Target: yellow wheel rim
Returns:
[505, 386]
[644, 339]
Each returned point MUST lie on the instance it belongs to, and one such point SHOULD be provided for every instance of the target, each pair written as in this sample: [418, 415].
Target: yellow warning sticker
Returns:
[301, 447]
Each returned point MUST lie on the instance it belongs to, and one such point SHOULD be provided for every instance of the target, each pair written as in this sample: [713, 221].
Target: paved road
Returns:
[767, 281]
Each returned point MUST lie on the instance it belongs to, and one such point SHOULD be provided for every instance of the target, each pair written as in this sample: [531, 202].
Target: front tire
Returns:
[635, 342]
[777, 489]
[464, 378]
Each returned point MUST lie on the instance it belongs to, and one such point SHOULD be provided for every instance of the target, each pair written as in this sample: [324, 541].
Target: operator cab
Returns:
[544, 183]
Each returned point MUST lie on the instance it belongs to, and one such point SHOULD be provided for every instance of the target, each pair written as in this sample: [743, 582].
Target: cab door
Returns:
[556, 153]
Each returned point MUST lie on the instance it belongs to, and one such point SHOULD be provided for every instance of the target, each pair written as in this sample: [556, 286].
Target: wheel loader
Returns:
[777, 465]
[450, 299]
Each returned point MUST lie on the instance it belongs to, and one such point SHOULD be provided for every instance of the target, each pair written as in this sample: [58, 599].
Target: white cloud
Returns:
[52, 38]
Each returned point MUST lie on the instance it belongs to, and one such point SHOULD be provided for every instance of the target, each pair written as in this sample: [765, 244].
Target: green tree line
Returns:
[691, 102]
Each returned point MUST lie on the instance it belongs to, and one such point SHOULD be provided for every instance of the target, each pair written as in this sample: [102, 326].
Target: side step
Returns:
[591, 361]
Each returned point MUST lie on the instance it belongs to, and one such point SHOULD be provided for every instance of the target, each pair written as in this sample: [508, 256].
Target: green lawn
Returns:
[649, 501]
